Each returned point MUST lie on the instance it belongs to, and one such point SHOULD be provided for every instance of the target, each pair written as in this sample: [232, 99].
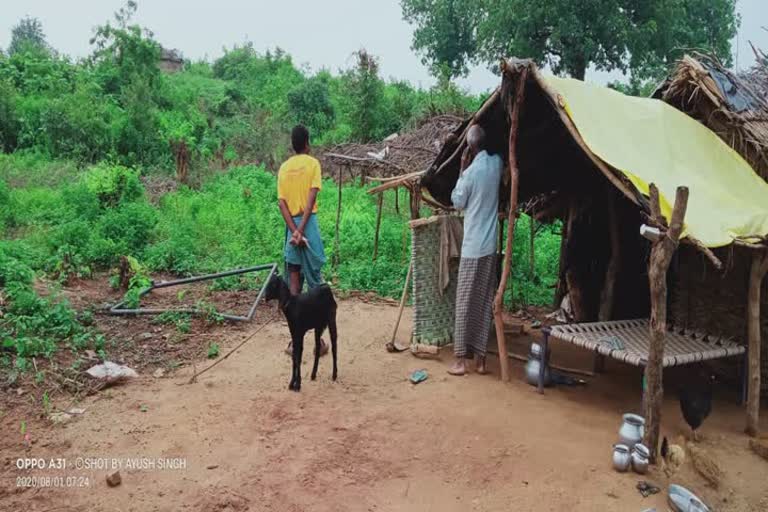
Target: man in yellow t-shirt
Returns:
[298, 183]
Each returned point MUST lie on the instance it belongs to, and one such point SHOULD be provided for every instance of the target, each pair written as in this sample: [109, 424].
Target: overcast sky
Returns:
[316, 33]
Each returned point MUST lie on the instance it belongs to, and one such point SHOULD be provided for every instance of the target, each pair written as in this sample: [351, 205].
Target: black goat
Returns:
[315, 309]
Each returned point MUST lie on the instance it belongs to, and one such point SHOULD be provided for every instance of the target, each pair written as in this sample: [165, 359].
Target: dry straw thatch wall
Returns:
[733, 106]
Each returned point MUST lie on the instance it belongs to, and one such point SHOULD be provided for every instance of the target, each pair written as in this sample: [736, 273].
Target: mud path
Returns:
[369, 442]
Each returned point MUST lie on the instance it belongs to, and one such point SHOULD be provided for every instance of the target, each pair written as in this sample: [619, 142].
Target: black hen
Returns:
[696, 401]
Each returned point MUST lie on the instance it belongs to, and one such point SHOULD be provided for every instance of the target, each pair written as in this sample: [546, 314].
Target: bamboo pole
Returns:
[661, 256]
[378, 226]
[514, 171]
[391, 345]
[532, 247]
[757, 273]
[572, 284]
[336, 244]
[609, 285]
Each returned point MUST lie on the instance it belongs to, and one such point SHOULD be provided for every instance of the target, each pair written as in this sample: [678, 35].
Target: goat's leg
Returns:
[318, 348]
[333, 332]
[298, 349]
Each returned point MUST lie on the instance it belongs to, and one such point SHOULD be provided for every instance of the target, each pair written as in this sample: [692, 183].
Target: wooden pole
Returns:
[609, 285]
[403, 298]
[336, 245]
[531, 253]
[661, 256]
[560, 290]
[415, 202]
[397, 200]
[756, 275]
[573, 286]
[514, 171]
[378, 226]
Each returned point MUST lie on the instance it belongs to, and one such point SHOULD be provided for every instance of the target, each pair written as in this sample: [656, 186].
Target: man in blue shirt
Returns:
[477, 194]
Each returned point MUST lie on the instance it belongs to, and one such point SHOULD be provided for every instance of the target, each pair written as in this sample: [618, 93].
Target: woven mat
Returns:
[629, 341]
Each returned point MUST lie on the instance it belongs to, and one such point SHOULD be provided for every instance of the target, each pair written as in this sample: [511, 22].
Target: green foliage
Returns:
[635, 87]
[444, 34]
[309, 103]
[113, 184]
[569, 36]
[182, 321]
[364, 88]
[213, 350]
[28, 36]
[32, 325]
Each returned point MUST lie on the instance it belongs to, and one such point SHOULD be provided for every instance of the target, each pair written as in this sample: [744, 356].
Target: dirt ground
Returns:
[238, 440]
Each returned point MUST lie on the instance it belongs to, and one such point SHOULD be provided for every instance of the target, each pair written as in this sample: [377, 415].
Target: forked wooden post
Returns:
[661, 255]
[498, 303]
[756, 275]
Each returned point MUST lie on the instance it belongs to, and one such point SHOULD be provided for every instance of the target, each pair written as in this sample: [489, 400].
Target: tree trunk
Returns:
[661, 256]
[756, 275]
[498, 303]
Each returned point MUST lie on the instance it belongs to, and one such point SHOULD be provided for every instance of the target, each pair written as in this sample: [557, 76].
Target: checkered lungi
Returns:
[475, 292]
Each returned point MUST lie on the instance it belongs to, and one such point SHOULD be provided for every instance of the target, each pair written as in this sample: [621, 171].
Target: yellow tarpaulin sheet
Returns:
[651, 142]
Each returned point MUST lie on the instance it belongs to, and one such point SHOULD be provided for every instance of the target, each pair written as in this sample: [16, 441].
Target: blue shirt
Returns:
[477, 193]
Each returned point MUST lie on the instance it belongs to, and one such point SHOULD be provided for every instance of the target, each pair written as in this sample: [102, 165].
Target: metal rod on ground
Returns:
[117, 309]
[378, 226]
[391, 344]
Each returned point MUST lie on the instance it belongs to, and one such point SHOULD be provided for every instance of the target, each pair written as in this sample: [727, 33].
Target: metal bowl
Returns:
[683, 500]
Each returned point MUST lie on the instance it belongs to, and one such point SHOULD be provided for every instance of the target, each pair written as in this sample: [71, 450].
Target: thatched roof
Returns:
[733, 106]
[399, 154]
[576, 138]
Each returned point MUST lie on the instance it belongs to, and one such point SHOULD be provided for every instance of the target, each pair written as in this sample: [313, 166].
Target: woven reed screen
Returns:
[433, 312]
[713, 302]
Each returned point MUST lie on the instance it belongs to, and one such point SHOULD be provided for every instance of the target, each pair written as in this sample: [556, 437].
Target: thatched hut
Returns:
[733, 106]
[606, 165]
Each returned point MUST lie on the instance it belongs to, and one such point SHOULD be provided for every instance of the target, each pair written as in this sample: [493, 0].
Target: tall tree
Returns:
[571, 35]
[444, 35]
[28, 35]
[365, 90]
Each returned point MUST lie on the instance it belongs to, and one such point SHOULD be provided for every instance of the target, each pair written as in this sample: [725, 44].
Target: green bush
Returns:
[32, 325]
[113, 184]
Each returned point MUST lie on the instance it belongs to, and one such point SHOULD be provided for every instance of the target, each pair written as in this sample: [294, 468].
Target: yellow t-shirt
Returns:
[296, 177]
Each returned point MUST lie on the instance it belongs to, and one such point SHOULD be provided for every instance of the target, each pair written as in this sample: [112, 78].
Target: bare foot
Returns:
[458, 368]
[480, 366]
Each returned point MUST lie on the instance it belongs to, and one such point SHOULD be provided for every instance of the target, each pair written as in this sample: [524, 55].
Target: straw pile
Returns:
[705, 465]
[692, 89]
[396, 155]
